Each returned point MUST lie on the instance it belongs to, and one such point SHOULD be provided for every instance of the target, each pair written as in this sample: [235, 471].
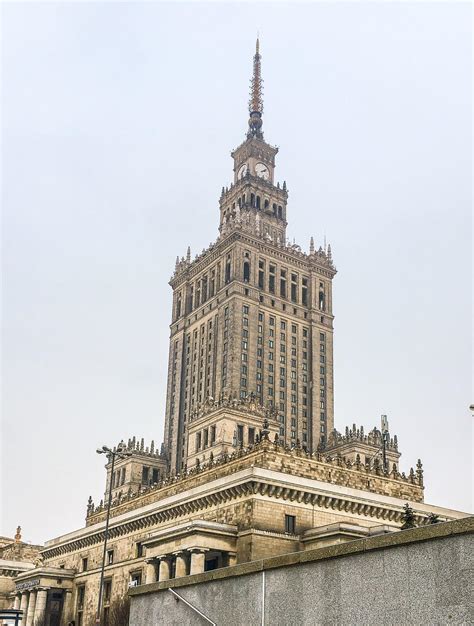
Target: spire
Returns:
[256, 100]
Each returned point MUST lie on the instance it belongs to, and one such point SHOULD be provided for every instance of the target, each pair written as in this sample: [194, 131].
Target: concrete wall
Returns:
[420, 576]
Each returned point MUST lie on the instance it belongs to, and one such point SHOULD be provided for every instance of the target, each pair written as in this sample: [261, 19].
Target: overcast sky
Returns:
[118, 121]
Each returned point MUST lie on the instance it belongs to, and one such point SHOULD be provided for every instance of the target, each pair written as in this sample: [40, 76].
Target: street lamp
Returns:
[121, 453]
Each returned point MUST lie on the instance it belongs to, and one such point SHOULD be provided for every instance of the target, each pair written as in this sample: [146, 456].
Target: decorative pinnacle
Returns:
[256, 99]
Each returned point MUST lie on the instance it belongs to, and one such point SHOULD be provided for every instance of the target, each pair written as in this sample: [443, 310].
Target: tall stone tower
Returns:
[252, 316]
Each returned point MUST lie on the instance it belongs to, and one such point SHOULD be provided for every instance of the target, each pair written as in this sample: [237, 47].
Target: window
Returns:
[139, 550]
[245, 309]
[213, 435]
[81, 592]
[84, 564]
[107, 590]
[110, 557]
[251, 435]
[240, 434]
[246, 271]
[290, 524]
[145, 475]
[136, 578]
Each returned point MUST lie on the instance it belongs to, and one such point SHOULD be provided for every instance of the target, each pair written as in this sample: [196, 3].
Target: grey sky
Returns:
[118, 120]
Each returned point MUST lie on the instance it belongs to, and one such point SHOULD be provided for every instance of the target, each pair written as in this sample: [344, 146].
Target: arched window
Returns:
[322, 304]
[239, 202]
[246, 271]
[252, 199]
[274, 209]
[258, 202]
[178, 306]
[280, 211]
[265, 206]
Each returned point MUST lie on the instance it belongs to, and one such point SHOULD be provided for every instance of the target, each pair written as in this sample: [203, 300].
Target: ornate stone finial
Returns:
[152, 447]
[419, 472]
[188, 255]
[311, 245]
[177, 263]
[256, 99]
[329, 252]
[265, 429]
[18, 534]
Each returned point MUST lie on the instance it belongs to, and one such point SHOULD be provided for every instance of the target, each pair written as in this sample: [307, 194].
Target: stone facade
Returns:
[262, 500]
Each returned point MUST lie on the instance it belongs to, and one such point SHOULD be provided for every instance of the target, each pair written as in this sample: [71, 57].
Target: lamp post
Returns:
[121, 453]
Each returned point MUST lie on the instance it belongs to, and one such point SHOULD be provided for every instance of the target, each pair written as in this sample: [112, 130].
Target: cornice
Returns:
[301, 260]
[251, 482]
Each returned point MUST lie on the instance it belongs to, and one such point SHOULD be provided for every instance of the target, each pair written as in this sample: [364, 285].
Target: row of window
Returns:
[135, 579]
[205, 438]
[254, 200]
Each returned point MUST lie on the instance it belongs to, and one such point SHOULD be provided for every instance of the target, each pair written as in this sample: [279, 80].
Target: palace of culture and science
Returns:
[251, 465]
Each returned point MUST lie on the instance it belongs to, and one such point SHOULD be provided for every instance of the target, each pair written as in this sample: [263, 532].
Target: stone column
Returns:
[198, 558]
[31, 609]
[24, 603]
[16, 602]
[40, 609]
[180, 564]
[164, 573]
[150, 571]
[232, 558]
[66, 613]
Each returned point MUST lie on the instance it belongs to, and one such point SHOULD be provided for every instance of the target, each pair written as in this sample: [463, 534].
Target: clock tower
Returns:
[252, 324]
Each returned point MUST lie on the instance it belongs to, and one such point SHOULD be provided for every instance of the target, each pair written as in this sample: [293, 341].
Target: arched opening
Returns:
[246, 271]
[280, 212]
[265, 206]
[322, 304]
[258, 202]
[252, 199]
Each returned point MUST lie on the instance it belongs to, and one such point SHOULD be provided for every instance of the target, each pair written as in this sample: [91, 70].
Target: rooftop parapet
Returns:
[355, 434]
[369, 476]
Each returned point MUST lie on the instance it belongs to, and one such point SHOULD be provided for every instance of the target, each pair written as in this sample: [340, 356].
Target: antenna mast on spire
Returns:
[256, 99]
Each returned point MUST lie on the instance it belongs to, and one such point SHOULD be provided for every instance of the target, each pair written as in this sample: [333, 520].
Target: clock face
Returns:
[242, 170]
[262, 171]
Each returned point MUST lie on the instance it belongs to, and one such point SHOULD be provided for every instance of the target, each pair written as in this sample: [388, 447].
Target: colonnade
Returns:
[33, 604]
[158, 568]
